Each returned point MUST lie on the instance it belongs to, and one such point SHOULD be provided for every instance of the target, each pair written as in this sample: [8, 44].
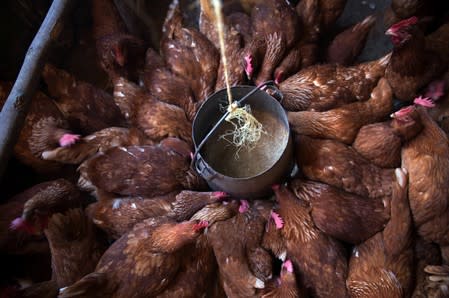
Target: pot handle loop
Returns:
[202, 169]
[271, 88]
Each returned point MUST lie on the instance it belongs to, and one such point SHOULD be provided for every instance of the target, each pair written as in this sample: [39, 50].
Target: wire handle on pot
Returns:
[238, 103]
[274, 92]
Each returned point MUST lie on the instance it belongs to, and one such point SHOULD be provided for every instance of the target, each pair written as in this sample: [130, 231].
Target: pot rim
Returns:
[199, 157]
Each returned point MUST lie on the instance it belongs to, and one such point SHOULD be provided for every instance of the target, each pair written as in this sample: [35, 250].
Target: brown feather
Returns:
[315, 255]
[155, 118]
[341, 166]
[140, 170]
[322, 87]
[382, 266]
[336, 212]
[116, 216]
[342, 124]
[75, 246]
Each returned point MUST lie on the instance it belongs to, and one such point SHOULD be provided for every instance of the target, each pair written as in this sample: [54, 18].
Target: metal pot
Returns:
[244, 173]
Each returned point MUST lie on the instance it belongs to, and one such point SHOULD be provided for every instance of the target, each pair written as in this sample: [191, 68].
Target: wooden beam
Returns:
[15, 109]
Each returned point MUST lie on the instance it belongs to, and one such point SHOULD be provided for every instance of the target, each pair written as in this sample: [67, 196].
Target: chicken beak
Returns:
[392, 115]
[391, 32]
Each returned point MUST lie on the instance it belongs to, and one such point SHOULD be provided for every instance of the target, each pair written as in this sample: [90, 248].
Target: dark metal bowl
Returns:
[243, 173]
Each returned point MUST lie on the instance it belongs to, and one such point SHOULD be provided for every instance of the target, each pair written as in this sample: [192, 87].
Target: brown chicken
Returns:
[233, 52]
[341, 166]
[32, 139]
[120, 54]
[275, 50]
[232, 240]
[317, 17]
[343, 123]
[241, 22]
[198, 276]
[309, 12]
[330, 11]
[142, 263]
[323, 87]
[155, 118]
[140, 171]
[117, 216]
[438, 91]
[285, 285]
[381, 143]
[382, 266]
[428, 53]
[189, 54]
[276, 24]
[20, 242]
[99, 141]
[291, 63]
[432, 11]
[75, 246]
[347, 45]
[233, 42]
[166, 86]
[207, 22]
[253, 54]
[336, 212]
[272, 238]
[425, 158]
[315, 256]
[106, 19]
[45, 199]
[188, 202]
[87, 108]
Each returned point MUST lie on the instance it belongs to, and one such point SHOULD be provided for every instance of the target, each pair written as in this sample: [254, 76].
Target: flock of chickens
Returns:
[367, 214]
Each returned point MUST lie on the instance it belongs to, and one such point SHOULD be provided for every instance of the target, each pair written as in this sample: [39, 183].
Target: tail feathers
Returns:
[92, 285]
[377, 67]
[383, 61]
[366, 24]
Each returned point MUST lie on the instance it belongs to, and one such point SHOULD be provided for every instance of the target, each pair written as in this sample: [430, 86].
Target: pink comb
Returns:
[288, 265]
[68, 139]
[404, 23]
[249, 69]
[220, 195]
[278, 221]
[19, 224]
[201, 225]
[435, 90]
[424, 102]
[244, 206]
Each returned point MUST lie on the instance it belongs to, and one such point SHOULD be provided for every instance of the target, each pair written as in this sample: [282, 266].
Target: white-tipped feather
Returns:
[400, 177]
[283, 256]
[259, 284]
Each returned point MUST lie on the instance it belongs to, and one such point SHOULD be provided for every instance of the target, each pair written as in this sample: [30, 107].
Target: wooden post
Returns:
[16, 106]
